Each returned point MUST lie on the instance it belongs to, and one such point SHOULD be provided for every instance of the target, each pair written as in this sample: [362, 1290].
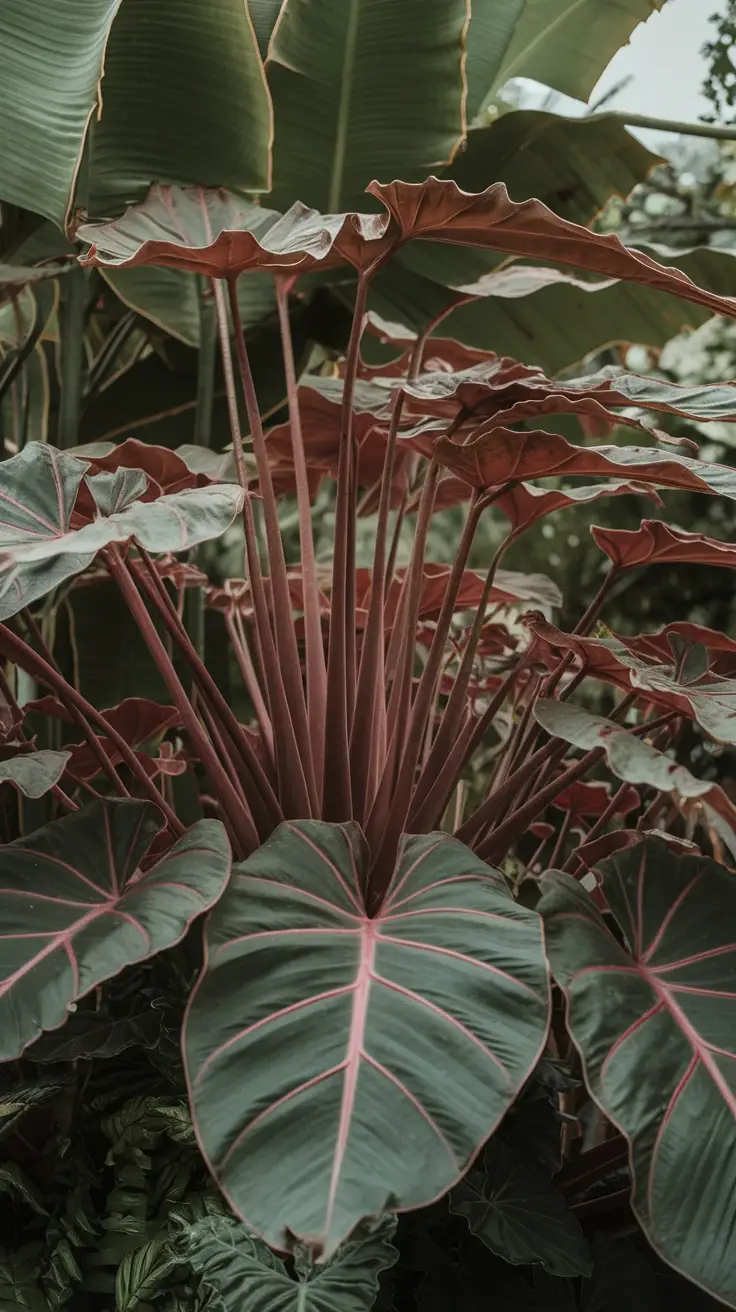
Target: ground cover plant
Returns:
[371, 944]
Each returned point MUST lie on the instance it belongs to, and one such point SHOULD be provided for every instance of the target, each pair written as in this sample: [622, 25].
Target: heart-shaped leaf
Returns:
[243, 1275]
[38, 549]
[654, 1020]
[513, 1206]
[655, 543]
[34, 773]
[75, 909]
[340, 1064]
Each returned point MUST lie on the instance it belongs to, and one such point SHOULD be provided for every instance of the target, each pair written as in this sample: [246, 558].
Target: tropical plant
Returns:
[365, 902]
[373, 1000]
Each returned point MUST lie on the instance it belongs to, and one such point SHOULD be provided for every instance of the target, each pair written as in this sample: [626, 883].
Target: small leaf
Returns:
[13, 1181]
[653, 1018]
[75, 909]
[629, 757]
[142, 1275]
[88, 1034]
[655, 543]
[240, 1274]
[34, 773]
[511, 1204]
[114, 492]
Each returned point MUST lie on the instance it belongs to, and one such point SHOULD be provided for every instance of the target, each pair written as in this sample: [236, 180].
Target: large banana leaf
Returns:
[363, 89]
[51, 60]
[567, 43]
[493, 24]
[183, 100]
[76, 909]
[340, 1064]
[654, 1019]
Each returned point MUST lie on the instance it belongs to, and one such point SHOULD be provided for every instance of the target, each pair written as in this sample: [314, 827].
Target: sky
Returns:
[664, 62]
[663, 56]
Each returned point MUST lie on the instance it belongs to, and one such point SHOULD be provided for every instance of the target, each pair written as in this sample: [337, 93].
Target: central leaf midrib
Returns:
[343, 113]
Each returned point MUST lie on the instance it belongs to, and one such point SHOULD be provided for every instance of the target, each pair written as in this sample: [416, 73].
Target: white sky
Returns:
[664, 58]
[664, 62]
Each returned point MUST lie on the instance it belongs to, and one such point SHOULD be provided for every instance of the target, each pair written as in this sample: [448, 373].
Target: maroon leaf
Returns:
[525, 503]
[655, 543]
[440, 211]
[657, 647]
[501, 456]
[590, 800]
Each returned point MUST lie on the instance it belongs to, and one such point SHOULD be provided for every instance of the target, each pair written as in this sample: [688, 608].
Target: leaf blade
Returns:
[663, 1030]
[352, 1030]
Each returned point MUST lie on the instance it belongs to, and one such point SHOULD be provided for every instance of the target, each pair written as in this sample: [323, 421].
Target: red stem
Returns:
[292, 782]
[409, 757]
[371, 675]
[19, 651]
[239, 822]
[283, 615]
[237, 636]
[337, 785]
[257, 777]
[497, 844]
[96, 746]
[314, 646]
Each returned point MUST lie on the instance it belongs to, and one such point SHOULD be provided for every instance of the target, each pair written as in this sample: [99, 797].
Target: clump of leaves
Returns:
[374, 1000]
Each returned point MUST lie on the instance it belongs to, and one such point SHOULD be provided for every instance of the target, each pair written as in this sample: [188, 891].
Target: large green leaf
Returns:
[38, 490]
[511, 1204]
[363, 89]
[51, 62]
[492, 27]
[654, 1019]
[339, 1065]
[568, 43]
[170, 298]
[184, 100]
[240, 1274]
[557, 325]
[75, 908]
